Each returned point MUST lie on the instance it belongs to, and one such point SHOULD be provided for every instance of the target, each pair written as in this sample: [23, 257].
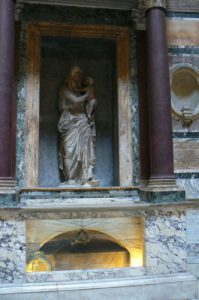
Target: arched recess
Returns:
[85, 249]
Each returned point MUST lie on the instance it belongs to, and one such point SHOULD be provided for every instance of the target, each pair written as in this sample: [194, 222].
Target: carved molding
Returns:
[139, 18]
[8, 186]
[18, 9]
[156, 3]
[121, 37]
[139, 15]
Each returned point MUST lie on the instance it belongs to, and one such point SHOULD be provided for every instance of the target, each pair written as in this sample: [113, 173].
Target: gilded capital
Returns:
[155, 3]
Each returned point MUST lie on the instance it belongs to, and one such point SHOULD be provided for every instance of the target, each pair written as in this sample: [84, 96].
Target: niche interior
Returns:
[101, 52]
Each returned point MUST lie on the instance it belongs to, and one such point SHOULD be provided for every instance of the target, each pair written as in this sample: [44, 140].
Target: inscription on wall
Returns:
[186, 155]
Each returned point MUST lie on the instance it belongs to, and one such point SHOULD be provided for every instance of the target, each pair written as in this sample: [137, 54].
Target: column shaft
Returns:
[6, 85]
[161, 144]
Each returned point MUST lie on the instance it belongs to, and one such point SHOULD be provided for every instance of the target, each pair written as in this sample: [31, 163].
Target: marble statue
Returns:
[77, 130]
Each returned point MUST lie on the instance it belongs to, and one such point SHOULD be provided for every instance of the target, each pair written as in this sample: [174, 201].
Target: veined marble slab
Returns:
[191, 187]
[193, 226]
[12, 251]
[183, 32]
[165, 242]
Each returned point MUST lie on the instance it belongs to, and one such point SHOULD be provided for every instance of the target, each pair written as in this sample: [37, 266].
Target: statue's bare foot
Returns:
[92, 182]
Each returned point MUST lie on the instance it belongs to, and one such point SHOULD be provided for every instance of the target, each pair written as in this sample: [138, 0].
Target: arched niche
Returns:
[45, 34]
[184, 80]
[83, 249]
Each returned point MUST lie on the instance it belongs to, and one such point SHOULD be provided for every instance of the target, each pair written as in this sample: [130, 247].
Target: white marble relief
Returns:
[165, 242]
[12, 251]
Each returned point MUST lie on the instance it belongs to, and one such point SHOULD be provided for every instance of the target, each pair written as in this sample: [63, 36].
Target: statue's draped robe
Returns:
[77, 155]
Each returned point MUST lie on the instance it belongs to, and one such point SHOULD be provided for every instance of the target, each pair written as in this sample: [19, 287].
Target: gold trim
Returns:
[155, 3]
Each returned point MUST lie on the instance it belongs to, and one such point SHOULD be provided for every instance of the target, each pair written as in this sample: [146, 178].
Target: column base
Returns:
[162, 190]
[8, 186]
[144, 182]
[8, 193]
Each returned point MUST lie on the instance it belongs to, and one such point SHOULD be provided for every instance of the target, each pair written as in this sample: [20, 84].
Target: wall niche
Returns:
[101, 52]
[80, 244]
[96, 58]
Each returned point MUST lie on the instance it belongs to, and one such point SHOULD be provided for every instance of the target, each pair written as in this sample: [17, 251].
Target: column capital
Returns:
[155, 3]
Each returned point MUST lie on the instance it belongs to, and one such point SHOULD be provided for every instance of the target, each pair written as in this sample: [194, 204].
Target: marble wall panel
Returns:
[183, 58]
[183, 31]
[193, 227]
[193, 241]
[12, 251]
[191, 186]
[165, 242]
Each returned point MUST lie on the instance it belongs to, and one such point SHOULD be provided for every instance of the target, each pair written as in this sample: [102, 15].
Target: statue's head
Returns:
[75, 77]
[74, 70]
[76, 73]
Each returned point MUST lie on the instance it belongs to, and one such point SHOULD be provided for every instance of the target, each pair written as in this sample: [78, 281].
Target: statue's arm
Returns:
[75, 99]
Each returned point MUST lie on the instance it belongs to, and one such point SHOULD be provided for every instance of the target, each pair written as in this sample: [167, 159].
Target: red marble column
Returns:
[6, 89]
[161, 144]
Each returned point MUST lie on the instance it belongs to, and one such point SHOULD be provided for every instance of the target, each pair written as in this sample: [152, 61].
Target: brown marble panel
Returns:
[183, 32]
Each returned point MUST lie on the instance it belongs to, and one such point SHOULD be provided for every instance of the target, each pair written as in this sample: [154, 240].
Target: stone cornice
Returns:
[111, 4]
[137, 6]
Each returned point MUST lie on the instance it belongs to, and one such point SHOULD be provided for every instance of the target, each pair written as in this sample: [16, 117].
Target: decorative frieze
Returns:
[139, 18]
